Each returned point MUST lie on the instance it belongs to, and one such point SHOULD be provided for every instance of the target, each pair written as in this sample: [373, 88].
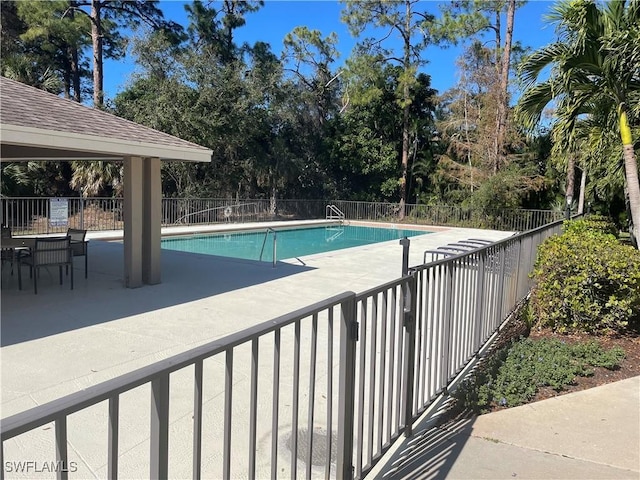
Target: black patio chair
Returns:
[7, 253]
[48, 252]
[80, 246]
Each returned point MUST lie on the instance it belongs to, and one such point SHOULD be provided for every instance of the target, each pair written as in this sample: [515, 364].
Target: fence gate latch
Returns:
[355, 331]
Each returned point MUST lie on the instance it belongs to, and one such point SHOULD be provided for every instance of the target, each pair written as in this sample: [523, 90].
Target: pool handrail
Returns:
[275, 241]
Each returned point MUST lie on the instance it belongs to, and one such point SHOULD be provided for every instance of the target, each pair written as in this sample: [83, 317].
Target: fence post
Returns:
[81, 213]
[115, 209]
[160, 427]
[346, 395]
[500, 301]
[479, 300]
[447, 327]
[405, 256]
[61, 448]
[409, 307]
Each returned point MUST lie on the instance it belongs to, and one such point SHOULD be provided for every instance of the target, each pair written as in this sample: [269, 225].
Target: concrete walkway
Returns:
[592, 434]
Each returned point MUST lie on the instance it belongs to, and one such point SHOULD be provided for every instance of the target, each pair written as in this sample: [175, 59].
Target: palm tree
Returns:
[595, 69]
[93, 178]
[23, 69]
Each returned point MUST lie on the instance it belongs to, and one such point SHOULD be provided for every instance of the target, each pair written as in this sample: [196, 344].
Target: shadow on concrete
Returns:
[186, 277]
[430, 452]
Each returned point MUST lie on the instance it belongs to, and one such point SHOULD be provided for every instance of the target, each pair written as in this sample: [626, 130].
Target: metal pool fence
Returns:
[321, 392]
[32, 215]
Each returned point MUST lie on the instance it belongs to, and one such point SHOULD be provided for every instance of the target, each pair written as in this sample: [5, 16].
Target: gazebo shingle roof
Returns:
[25, 106]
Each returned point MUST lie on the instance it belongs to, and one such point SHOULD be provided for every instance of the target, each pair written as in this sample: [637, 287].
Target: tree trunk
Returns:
[583, 186]
[272, 202]
[497, 28]
[405, 112]
[229, 8]
[66, 82]
[74, 67]
[405, 155]
[96, 39]
[466, 134]
[631, 175]
[571, 180]
[503, 94]
[75, 75]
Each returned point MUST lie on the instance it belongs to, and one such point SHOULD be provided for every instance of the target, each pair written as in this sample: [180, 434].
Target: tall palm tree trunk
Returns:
[633, 186]
[631, 176]
[571, 180]
[583, 186]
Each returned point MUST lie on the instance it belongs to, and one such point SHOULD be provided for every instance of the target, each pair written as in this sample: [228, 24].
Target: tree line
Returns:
[304, 125]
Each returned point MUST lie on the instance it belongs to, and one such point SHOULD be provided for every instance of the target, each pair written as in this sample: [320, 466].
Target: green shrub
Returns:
[475, 393]
[591, 223]
[593, 353]
[531, 364]
[514, 374]
[586, 280]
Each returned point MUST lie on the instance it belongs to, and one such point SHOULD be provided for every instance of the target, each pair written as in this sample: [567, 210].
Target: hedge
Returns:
[586, 280]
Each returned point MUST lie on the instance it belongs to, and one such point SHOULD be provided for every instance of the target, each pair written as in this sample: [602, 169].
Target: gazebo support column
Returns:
[133, 221]
[152, 222]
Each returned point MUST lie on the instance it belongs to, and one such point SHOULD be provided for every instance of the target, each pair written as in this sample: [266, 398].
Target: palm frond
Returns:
[532, 103]
[535, 63]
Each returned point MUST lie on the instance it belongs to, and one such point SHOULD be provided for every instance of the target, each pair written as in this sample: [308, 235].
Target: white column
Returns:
[152, 218]
[133, 214]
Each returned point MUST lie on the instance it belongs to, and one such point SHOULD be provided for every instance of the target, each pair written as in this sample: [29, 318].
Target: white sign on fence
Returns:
[58, 212]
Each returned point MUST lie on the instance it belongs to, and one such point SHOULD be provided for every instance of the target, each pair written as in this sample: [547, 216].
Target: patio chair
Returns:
[48, 252]
[79, 246]
[7, 253]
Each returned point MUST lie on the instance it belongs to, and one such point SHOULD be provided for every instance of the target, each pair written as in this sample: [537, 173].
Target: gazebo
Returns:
[38, 126]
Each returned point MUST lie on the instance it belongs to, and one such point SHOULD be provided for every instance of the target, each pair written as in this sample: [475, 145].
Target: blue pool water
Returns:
[290, 243]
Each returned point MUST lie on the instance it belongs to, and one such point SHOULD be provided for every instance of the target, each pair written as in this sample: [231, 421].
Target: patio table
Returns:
[23, 243]
[15, 245]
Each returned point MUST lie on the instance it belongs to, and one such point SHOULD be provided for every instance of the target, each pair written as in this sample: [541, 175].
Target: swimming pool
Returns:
[290, 243]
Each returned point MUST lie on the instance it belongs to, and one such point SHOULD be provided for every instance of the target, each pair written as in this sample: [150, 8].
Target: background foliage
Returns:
[305, 123]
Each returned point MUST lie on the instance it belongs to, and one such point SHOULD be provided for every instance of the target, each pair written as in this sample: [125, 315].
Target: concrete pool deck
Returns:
[53, 343]
[63, 340]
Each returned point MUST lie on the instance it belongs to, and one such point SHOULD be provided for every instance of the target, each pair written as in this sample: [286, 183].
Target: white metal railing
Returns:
[449, 215]
[334, 213]
[31, 215]
[353, 370]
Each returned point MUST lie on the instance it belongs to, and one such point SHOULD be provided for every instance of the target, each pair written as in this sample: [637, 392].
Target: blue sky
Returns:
[278, 17]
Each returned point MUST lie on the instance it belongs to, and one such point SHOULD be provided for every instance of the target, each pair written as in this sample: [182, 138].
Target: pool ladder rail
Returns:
[334, 213]
[275, 243]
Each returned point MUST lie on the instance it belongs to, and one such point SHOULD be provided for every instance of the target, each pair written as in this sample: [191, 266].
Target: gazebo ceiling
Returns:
[36, 125]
